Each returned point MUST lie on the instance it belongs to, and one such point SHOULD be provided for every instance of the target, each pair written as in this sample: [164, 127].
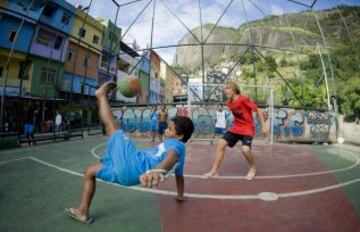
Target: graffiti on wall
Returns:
[288, 123]
[319, 124]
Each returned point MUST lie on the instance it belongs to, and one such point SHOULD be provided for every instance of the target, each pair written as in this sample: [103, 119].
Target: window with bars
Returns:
[66, 85]
[12, 35]
[70, 56]
[43, 40]
[24, 70]
[82, 32]
[58, 42]
[66, 19]
[49, 10]
[86, 61]
[105, 61]
[47, 75]
[96, 39]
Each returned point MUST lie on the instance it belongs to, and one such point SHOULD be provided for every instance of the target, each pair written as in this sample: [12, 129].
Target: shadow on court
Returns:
[317, 188]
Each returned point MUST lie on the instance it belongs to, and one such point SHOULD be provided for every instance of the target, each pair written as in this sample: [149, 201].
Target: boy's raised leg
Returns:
[105, 112]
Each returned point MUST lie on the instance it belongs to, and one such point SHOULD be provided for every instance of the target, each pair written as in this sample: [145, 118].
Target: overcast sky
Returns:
[168, 30]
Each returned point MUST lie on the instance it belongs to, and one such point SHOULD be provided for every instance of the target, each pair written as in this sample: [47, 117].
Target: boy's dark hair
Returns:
[183, 126]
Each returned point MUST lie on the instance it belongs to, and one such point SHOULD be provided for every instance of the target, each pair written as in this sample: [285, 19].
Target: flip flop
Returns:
[70, 212]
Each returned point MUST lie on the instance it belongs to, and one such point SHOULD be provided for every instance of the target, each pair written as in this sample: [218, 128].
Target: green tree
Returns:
[283, 62]
[272, 65]
[350, 98]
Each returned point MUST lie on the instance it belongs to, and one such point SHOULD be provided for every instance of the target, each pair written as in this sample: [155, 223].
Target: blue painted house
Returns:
[50, 40]
[20, 7]
[8, 28]
[20, 40]
[11, 20]
[59, 14]
[145, 64]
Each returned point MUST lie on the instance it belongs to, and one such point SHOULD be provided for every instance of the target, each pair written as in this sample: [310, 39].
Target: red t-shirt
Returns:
[242, 110]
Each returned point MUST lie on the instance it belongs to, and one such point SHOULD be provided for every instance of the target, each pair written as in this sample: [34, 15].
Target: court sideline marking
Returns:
[356, 163]
[193, 195]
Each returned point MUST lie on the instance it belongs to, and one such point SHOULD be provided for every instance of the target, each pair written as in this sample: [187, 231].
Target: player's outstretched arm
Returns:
[154, 177]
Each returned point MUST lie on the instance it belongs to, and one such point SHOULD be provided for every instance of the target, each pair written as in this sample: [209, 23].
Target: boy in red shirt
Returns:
[243, 129]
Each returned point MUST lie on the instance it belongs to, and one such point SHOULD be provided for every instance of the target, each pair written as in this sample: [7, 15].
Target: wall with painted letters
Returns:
[289, 124]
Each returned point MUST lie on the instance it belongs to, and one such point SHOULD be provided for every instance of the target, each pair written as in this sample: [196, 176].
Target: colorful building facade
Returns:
[154, 96]
[83, 54]
[144, 77]
[110, 51]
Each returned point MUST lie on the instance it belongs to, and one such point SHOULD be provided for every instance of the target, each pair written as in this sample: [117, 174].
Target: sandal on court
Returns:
[70, 212]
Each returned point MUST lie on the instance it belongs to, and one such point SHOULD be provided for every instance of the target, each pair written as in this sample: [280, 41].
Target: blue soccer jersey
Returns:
[123, 163]
[158, 153]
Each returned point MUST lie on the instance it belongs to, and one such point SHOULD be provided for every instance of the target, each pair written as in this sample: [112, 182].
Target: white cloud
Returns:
[276, 10]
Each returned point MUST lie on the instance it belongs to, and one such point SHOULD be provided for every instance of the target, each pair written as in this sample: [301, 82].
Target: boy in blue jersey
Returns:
[124, 164]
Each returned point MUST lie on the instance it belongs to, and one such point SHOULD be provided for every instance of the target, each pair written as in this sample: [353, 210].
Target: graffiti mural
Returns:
[295, 125]
[203, 120]
[319, 124]
[258, 129]
[128, 121]
[289, 124]
[144, 124]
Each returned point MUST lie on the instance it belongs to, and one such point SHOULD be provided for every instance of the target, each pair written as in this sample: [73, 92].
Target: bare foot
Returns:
[251, 174]
[210, 175]
[105, 88]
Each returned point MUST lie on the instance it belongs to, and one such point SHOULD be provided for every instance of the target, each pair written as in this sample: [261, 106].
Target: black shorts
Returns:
[232, 139]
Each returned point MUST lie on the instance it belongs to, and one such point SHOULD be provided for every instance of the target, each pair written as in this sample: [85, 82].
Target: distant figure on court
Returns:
[221, 122]
[58, 121]
[124, 164]
[163, 118]
[29, 126]
[243, 129]
[154, 115]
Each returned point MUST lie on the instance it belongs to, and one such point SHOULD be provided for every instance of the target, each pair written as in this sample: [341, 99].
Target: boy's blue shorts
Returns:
[121, 162]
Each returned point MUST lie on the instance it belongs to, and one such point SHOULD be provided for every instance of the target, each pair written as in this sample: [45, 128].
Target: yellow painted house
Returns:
[83, 60]
[13, 80]
[91, 34]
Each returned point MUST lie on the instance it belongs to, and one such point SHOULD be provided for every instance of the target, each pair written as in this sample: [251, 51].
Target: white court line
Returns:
[13, 160]
[47, 145]
[93, 153]
[356, 159]
[206, 196]
[55, 166]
